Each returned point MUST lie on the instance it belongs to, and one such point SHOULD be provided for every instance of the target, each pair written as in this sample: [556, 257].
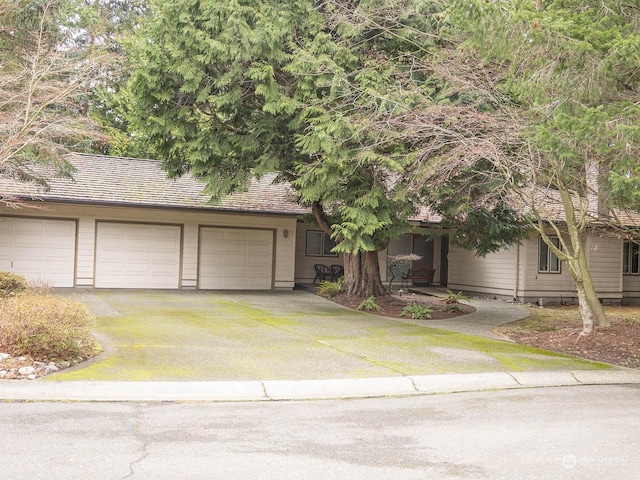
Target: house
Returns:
[120, 223]
[531, 273]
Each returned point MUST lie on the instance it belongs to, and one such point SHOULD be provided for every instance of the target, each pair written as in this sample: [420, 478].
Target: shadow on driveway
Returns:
[212, 336]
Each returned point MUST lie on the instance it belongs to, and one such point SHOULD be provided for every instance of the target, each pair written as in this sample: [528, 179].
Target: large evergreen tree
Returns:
[338, 96]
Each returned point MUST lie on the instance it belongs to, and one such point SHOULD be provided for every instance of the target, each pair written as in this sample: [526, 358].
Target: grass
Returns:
[543, 319]
[546, 319]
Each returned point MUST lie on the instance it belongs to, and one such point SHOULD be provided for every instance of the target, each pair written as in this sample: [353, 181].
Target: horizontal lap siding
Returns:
[540, 284]
[494, 274]
[631, 288]
[605, 265]
[604, 256]
[304, 270]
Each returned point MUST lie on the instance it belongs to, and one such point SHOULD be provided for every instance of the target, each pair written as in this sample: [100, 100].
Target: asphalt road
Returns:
[581, 432]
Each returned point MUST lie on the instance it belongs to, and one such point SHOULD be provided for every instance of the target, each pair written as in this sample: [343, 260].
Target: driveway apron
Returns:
[213, 336]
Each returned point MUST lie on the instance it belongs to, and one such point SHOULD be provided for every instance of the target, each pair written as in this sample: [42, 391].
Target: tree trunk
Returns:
[589, 304]
[584, 307]
[362, 275]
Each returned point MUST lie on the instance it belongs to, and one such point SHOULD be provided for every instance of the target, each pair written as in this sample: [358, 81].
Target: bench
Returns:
[419, 276]
[322, 272]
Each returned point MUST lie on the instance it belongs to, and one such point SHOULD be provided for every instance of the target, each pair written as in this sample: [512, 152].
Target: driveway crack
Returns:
[132, 422]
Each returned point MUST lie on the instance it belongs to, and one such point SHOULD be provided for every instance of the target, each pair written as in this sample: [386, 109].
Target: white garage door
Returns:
[137, 255]
[39, 249]
[235, 259]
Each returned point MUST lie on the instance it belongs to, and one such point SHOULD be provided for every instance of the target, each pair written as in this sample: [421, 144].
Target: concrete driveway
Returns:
[212, 336]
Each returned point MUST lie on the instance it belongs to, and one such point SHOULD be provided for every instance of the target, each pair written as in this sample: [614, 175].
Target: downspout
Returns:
[516, 285]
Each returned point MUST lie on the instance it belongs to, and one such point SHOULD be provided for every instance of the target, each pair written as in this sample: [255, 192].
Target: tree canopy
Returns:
[340, 97]
[372, 109]
[48, 64]
[570, 72]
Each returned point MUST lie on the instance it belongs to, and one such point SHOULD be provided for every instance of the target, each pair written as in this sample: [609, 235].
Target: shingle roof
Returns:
[550, 207]
[101, 179]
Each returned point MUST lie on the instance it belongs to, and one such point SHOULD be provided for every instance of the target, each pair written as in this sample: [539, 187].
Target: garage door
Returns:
[39, 249]
[137, 256]
[235, 259]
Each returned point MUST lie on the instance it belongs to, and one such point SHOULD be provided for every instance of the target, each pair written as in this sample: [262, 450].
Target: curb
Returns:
[280, 390]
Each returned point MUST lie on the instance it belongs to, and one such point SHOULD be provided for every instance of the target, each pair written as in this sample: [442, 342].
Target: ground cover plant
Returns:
[408, 305]
[38, 326]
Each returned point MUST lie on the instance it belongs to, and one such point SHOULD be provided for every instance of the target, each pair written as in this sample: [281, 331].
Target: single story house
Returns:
[120, 223]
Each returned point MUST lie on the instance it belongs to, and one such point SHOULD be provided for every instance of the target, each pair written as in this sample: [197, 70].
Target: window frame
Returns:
[326, 244]
[543, 247]
[628, 266]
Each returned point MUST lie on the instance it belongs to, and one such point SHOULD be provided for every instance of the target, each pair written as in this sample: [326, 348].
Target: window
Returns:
[319, 244]
[547, 260]
[630, 265]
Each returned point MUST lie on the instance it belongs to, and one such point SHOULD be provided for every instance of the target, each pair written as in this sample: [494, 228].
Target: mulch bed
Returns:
[618, 344]
[392, 305]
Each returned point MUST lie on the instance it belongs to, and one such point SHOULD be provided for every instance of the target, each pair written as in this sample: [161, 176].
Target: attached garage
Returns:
[132, 255]
[39, 249]
[235, 258]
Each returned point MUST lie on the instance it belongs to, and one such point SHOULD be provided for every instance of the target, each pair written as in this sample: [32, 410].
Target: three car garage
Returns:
[137, 255]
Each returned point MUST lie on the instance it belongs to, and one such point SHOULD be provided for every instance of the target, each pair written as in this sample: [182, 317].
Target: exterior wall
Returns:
[604, 255]
[493, 275]
[189, 220]
[534, 285]
[631, 289]
[304, 271]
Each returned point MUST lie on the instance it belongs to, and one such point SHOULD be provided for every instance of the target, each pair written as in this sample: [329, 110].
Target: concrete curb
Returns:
[305, 389]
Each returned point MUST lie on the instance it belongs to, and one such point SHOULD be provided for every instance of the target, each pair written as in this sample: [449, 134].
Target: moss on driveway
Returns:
[152, 335]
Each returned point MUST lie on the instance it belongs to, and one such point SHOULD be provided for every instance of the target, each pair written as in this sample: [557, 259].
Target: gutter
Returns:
[106, 203]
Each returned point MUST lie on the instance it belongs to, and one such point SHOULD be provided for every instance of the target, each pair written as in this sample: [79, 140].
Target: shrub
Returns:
[39, 287]
[454, 297]
[452, 308]
[416, 311]
[369, 304]
[45, 327]
[331, 289]
[11, 283]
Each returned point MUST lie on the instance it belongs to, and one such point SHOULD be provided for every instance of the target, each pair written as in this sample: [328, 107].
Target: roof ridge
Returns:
[101, 155]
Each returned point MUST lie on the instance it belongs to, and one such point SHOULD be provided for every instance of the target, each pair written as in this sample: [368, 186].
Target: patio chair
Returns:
[337, 271]
[322, 272]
